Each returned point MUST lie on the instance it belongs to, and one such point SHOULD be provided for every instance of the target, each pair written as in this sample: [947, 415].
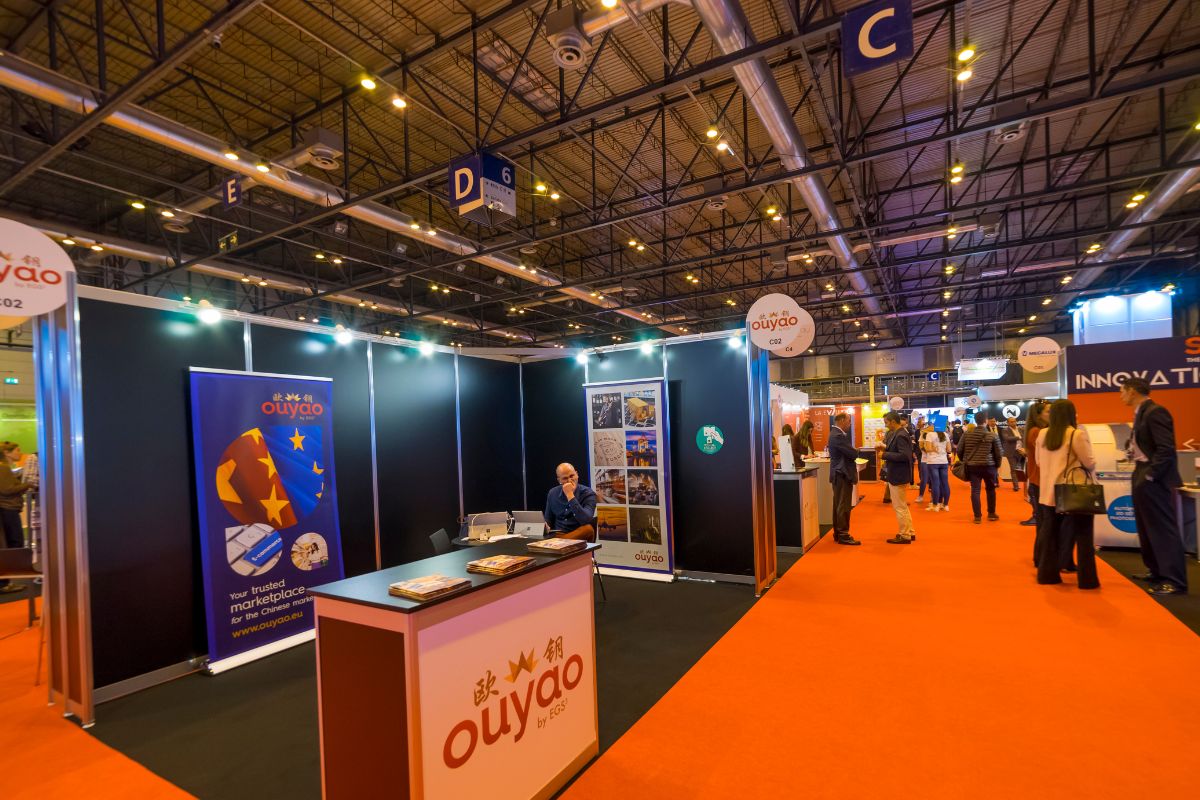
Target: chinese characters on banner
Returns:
[629, 451]
[267, 506]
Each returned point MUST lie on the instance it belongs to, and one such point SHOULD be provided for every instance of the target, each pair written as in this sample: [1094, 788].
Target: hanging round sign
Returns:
[973, 401]
[33, 271]
[776, 321]
[896, 403]
[1039, 354]
[1011, 412]
[798, 347]
[709, 439]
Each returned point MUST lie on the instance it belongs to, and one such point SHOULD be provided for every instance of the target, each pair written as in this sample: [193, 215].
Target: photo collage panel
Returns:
[626, 466]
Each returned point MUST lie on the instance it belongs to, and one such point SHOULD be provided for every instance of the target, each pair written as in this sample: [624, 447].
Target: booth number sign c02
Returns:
[710, 439]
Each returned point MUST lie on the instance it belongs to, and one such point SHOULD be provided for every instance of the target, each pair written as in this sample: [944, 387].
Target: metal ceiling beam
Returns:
[99, 112]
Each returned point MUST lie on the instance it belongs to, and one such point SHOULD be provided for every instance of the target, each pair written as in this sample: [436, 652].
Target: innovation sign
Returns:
[877, 34]
[1170, 363]
[483, 188]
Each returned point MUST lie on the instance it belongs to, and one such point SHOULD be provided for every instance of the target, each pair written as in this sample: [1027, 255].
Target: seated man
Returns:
[571, 507]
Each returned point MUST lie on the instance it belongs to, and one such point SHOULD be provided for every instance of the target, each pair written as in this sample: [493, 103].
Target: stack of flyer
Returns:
[556, 547]
[427, 587]
[499, 565]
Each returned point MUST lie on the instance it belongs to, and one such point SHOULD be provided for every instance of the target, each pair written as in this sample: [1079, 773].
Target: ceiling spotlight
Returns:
[1066, 279]
[399, 102]
[964, 75]
[722, 145]
[1022, 330]
[943, 337]
[858, 324]
[245, 279]
[609, 3]
[301, 318]
[946, 313]
[97, 248]
[138, 204]
[641, 247]
[416, 226]
[731, 302]
[232, 156]
[1094, 247]
[1196, 126]
[944, 327]
[952, 229]
[445, 290]
[343, 336]
[946, 294]
[632, 242]
[262, 282]
[772, 210]
[337, 260]
[433, 287]
[209, 315]
[949, 270]
[541, 187]
[68, 242]
[713, 133]
[829, 287]
[966, 53]
[846, 308]
[776, 218]
[367, 82]
[431, 231]
[874, 344]
[1131, 204]
[554, 195]
[262, 166]
[168, 213]
[956, 178]
[1033, 317]
[957, 169]
[1047, 301]
[319, 256]
[1139, 197]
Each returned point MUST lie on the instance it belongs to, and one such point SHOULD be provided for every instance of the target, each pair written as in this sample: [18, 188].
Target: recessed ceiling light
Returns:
[964, 75]
[722, 146]
[245, 279]
[68, 242]
[138, 204]
[168, 213]
[713, 133]
[231, 155]
[336, 260]
[97, 248]
[399, 102]
[262, 166]
[263, 282]
[367, 82]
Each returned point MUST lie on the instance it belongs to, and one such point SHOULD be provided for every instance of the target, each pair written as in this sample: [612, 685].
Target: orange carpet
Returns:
[41, 754]
[934, 670]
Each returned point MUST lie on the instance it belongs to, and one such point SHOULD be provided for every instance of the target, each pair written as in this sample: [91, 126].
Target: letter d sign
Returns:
[876, 34]
[463, 181]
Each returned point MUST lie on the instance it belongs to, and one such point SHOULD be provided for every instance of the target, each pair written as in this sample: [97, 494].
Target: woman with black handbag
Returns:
[1068, 505]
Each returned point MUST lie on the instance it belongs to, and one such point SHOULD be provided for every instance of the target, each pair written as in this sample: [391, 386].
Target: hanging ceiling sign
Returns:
[776, 321]
[896, 403]
[33, 271]
[483, 188]
[1039, 354]
[877, 34]
[231, 191]
[982, 369]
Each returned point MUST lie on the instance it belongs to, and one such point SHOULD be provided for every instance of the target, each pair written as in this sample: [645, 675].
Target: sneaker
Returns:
[978, 521]
[920, 499]
[993, 518]
[898, 539]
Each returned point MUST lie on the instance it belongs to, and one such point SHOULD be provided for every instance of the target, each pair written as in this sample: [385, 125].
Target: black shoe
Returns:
[1069, 569]
[993, 518]
[1166, 588]
[978, 521]
[898, 539]
[1146, 577]
[847, 540]
[1029, 522]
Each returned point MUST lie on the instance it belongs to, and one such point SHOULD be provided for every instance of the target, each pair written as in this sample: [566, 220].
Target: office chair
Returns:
[440, 541]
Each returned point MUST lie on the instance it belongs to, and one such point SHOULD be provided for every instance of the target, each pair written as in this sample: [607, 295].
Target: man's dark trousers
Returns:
[843, 498]
[1158, 529]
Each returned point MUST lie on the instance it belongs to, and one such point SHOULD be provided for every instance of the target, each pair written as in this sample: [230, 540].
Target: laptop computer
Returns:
[530, 524]
[486, 526]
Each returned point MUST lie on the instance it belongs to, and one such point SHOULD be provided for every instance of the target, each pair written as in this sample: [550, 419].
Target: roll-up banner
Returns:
[267, 508]
[629, 451]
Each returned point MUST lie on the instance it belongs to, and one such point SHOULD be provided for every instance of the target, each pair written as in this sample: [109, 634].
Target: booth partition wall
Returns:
[420, 438]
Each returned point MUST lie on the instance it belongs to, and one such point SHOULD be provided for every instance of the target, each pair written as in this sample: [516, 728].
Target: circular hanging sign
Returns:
[960, 412]
[973, 401]
[1011, 412]
[1039, 354]
[33, 271]
[709, 439]
[896, 403]
[776, 321]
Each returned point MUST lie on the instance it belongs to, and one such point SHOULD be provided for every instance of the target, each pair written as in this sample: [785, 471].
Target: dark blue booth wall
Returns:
[555, 423]
[489, 392]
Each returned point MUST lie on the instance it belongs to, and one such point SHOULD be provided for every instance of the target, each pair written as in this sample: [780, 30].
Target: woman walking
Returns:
[979, 449]
[935, 455]
[1063, 449]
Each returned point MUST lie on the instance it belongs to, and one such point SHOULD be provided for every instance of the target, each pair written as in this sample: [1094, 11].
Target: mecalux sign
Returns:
[1171, 363]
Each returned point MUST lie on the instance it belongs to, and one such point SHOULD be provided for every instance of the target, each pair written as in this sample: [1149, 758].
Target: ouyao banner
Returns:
[777, 322]
[629, 451]
[33, 273]
[267, 507]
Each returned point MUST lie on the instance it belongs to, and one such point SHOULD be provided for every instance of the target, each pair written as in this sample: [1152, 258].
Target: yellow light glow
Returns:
[722, 146]
[138, 204]
[957, 168]
[367, 83]
[262, 167]
[964, 75]
[541, 187]
[967, 53]
[554, 195]
[399, 102]
[232, 156]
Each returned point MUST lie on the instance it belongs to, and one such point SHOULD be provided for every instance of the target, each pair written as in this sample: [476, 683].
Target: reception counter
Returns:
[486, 692]
[796, 525]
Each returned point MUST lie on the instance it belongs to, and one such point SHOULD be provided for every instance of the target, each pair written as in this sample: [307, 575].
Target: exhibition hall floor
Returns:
[936, 669]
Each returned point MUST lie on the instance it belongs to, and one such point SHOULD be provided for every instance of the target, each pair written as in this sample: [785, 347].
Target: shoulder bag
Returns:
[1071, 497]
[959, 470]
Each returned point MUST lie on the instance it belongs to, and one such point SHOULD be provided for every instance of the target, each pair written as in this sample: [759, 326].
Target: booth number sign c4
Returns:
[710, 439]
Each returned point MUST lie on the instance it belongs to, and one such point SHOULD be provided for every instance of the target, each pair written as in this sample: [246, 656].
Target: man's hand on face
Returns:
[569, 489]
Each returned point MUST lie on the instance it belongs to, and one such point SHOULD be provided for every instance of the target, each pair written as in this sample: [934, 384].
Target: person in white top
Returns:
[935, 456]
[1063, 450]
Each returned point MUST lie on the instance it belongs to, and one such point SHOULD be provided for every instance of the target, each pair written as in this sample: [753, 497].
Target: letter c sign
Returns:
[877, 34]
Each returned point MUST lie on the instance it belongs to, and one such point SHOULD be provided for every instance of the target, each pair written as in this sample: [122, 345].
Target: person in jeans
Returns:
[1038, 418]
[1062, 450]
[1011, 445]
[12, 498]
[921, 429]
[935, 456]
[898, 460]
[979, 449]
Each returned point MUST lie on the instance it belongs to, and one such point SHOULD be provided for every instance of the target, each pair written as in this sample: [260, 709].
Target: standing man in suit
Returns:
[898, 473]
[843, 474]
[1155, 479]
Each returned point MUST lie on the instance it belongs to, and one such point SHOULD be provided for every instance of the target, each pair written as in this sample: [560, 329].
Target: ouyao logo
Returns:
[510, 716]
[649, 557]
[33, 271]
[776, 321]
[293, 406]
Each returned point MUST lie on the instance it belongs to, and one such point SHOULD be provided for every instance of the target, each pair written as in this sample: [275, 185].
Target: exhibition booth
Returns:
[215, 466]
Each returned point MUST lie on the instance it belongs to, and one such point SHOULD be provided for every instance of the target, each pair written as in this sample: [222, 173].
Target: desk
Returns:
[464, 541]
[487, 692]
[796, 524]
[1191, 532]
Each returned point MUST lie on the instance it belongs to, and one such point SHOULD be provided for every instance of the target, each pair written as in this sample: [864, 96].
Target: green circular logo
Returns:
[709, 439]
